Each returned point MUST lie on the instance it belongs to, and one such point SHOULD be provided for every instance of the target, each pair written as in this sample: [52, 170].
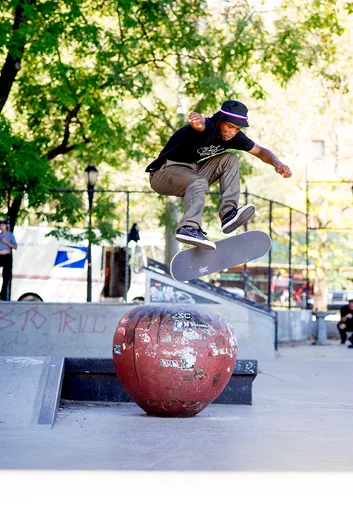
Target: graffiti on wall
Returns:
[162, 292]
[60, 321]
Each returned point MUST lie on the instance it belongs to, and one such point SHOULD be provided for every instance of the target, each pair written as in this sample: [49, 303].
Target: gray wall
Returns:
[64, 330]
[294, 326]
[86, 330]
[332, 331]
[297, 326]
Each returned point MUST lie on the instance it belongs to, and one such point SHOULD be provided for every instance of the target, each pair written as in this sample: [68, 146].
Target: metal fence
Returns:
[279, 279]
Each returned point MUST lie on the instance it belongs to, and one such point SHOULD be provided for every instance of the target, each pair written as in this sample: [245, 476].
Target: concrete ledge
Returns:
[239, 389]
[95, 380]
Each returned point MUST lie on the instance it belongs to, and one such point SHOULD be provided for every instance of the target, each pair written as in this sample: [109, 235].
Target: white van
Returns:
[51, 270]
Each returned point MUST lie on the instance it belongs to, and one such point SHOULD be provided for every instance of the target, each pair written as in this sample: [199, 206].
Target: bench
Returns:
[95, 380]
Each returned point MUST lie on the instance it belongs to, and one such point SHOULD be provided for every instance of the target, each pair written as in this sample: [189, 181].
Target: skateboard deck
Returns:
[231, 251]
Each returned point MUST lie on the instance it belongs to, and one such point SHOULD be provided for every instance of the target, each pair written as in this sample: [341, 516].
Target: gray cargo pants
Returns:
[192, 181]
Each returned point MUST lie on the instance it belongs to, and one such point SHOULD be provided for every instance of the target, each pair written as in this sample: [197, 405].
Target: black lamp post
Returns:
[91, 173]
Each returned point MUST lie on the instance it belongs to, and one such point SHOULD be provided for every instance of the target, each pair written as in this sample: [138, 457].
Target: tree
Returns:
[81, 80]
[24, 171]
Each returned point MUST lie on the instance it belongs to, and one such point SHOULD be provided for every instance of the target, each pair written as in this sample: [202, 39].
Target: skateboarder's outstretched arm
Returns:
[197, 122]
[270, 158]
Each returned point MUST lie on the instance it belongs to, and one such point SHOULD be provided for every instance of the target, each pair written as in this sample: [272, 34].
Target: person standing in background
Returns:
[7, 244]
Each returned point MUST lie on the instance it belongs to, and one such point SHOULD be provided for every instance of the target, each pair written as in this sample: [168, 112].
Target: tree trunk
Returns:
[172, 215]
[12, 63]
[13, 211]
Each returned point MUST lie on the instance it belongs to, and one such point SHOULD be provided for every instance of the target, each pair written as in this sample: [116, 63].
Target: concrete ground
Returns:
[296, 439]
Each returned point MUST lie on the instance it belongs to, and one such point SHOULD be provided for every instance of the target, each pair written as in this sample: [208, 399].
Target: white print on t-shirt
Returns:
[211, 150]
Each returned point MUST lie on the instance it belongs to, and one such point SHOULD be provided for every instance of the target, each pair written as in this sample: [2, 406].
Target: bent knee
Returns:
[232, 158]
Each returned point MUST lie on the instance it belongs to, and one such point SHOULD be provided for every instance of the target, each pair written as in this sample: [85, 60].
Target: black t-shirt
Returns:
[345, 310]
[190, 146]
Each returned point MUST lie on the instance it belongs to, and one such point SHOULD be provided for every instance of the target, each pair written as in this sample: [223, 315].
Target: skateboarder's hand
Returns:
[284, 171]
[197, 121]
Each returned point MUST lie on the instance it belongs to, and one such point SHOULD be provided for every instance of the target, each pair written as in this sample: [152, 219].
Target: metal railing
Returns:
[271, 279]
[288, 257]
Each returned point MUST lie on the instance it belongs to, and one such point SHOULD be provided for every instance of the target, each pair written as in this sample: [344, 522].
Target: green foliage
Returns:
[22, 169]
[309, 42]
[24, 173]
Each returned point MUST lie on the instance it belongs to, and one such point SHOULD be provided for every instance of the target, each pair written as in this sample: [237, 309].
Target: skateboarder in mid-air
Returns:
[195, 157]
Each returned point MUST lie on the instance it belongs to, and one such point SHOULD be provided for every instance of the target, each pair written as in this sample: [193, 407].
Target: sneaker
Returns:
[237, 217]
[194, 236]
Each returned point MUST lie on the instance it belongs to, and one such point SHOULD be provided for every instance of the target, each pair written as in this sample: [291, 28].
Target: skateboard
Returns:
[235, 250]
